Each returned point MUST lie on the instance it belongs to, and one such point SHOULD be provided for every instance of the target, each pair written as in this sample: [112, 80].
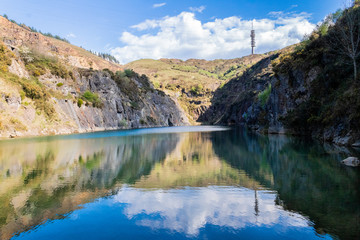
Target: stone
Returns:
[351, 162]
[356, 144]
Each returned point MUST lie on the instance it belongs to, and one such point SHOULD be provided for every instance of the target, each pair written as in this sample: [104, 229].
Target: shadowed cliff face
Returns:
[298, 101]
[307, 89]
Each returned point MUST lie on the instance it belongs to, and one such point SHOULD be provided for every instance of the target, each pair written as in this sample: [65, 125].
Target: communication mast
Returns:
[252, 35]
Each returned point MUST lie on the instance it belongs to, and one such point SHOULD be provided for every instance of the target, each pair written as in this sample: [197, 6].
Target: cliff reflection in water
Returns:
[307, 176]
[43, 179]
[230, 179]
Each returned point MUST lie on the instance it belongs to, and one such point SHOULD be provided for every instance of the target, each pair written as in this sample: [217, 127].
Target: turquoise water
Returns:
[177, 183]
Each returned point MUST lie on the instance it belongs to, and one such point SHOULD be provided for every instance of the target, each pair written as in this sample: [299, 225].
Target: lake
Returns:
[177, 183]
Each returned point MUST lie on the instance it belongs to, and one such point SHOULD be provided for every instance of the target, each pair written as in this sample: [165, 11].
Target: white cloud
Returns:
[197, 9]
[188, 210]
[184, 36]
[157, 5]
[71, 35]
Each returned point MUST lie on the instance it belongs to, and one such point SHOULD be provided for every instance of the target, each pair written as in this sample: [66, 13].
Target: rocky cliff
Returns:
[45, 92]
[308, 89]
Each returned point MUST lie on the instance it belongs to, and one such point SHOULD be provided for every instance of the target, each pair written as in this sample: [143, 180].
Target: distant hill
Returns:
[192, 82]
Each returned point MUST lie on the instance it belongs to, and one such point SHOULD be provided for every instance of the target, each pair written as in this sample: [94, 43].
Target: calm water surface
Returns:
[177, 183]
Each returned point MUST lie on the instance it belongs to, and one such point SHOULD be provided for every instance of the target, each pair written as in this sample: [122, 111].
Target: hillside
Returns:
[192, 82]
[48, 86]
[311, 89]
[16, 36]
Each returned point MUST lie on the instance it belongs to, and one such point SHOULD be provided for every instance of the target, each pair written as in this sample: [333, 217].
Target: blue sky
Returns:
[178, 29]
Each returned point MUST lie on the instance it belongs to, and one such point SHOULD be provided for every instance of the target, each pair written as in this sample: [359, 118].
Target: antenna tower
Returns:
[252, 35]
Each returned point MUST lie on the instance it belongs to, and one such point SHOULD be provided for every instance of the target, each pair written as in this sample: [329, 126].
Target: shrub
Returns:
[197, 89]
[33, 90]
[111, 73]
[5, 60]
[59, 84]
[151, 119]
[135, 105]
[93, 98]
[46, 107]
[129, 73]
[264, 95]
[38, 65]
[126, 84]
[80, 102]
[122, 123]
[22, 94]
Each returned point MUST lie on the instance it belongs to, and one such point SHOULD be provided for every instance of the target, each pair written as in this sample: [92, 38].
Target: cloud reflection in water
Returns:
[190, 209]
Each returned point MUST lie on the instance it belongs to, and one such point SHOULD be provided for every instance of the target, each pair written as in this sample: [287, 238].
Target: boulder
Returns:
[351, 162]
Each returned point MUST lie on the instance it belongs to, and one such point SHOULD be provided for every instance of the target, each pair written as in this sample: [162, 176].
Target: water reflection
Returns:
[188, 210]
[43, 180]
[181, 181]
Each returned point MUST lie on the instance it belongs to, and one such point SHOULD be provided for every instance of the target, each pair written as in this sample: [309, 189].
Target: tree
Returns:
[345, 38]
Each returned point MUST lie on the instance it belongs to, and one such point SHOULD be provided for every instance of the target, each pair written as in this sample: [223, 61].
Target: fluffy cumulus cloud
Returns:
[184, 36]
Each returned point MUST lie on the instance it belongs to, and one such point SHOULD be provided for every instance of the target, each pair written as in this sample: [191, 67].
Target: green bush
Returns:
[264, 95]
[80, 102]
[59, 84]
[196, 90]
[92, 98]
[129, 73]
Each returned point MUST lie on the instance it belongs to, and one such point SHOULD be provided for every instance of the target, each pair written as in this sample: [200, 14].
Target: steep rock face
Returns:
[279, 103]
[152, 108]
[122, 103]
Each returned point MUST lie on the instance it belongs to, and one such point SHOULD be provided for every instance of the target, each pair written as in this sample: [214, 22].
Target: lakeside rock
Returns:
[351, 162]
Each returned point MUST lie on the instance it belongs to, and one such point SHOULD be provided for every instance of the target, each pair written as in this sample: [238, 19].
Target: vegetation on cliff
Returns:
[335, 92]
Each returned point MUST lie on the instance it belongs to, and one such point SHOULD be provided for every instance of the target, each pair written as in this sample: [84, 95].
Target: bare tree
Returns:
[346, 37]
